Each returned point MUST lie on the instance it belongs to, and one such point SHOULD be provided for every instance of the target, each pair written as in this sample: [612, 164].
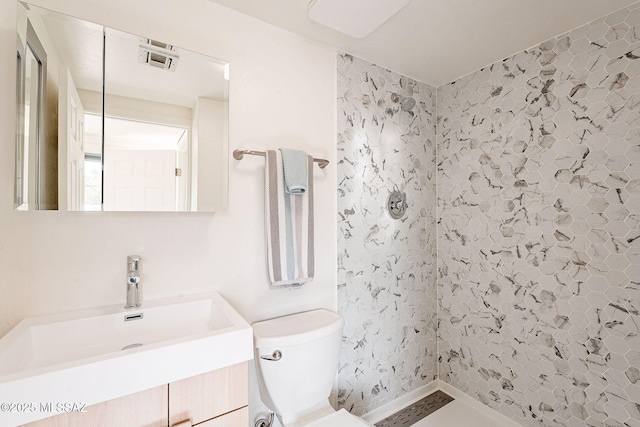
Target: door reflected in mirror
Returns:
[32, 163]
[146, 166]
[145, 131]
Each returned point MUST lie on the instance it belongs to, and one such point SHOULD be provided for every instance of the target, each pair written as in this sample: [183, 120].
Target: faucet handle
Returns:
[133, 262]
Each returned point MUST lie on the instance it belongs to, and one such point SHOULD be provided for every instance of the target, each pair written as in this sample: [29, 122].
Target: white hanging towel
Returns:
[289, 225]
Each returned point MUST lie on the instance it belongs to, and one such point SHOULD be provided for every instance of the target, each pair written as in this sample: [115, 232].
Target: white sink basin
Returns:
[95, 355]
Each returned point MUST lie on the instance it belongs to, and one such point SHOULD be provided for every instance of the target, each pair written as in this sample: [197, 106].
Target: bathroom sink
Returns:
[99, 354]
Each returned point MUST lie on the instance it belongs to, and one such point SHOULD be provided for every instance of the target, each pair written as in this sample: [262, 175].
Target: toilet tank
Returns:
[309, 347]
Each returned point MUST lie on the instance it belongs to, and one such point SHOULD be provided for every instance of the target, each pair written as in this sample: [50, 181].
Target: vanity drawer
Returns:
[209, 395]
[147, 408]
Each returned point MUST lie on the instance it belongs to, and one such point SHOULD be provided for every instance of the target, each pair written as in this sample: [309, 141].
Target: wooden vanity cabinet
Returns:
[213, 399]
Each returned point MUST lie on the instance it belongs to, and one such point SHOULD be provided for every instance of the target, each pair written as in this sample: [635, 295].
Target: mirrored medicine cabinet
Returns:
[111, 121]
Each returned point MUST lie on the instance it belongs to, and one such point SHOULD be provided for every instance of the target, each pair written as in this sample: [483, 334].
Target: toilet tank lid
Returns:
[296, 328]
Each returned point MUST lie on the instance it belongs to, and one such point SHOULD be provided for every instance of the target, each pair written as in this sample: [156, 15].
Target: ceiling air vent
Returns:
[158, 54]
[355, 18]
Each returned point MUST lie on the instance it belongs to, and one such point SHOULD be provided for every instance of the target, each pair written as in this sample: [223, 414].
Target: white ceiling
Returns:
[437, 41]
[78, 44]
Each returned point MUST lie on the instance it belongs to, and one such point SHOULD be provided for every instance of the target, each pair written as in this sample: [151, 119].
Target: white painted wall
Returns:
[282, 93]
[209, 155]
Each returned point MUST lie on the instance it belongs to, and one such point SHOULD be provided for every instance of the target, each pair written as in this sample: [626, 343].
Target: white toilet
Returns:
[296, 362]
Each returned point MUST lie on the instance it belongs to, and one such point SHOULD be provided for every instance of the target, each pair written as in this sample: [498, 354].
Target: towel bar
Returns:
[239, 154]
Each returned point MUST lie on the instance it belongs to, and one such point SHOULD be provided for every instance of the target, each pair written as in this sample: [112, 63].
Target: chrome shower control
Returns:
[397, 204]
[277, 355]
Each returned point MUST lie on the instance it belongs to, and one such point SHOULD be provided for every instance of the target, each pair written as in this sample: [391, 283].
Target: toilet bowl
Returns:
[296, 360]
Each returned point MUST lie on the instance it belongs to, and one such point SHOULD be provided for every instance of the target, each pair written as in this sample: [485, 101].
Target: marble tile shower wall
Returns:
[386, 267]
[539, 229]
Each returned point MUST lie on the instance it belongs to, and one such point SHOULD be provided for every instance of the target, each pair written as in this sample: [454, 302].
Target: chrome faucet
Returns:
[133, 281]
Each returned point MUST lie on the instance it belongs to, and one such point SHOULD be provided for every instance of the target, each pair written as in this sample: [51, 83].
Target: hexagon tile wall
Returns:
[538, 171]
[386, 267]
[538, 238]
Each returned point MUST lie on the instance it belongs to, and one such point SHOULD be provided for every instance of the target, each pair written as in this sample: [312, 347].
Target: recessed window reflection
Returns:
[92, 182]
